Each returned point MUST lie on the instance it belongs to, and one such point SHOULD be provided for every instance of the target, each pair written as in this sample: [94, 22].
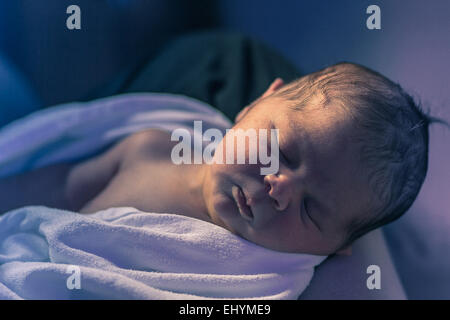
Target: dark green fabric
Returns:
[228, 71]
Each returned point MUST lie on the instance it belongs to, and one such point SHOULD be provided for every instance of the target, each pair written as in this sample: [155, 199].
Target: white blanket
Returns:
[123, 253]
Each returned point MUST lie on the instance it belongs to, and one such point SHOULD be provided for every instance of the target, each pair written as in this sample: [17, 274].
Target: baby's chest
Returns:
[149, 186]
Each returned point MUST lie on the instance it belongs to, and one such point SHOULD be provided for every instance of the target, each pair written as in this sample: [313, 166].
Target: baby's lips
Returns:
[244, 209]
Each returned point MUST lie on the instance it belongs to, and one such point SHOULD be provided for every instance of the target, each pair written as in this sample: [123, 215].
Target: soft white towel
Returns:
[124, 253]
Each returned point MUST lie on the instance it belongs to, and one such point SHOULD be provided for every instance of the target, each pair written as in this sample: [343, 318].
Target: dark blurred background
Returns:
[43, 63]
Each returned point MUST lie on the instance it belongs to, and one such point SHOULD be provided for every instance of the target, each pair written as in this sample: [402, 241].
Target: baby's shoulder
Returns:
[146, 145]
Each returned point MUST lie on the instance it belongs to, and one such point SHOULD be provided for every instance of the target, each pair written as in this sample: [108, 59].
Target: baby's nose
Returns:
[280, 188]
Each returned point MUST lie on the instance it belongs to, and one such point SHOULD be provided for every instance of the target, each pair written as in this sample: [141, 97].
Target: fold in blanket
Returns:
[123, 253]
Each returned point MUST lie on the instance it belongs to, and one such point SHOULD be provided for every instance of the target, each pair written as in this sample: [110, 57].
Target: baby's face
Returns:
[320, 186]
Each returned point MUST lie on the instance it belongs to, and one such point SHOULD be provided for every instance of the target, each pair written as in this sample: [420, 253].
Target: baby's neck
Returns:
[194, 176]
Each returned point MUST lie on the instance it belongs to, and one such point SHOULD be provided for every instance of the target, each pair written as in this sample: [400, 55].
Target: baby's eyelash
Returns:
[309, 216]
[284, 155]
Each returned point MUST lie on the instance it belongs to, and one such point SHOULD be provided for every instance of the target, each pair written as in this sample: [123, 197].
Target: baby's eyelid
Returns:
[284, 156]
[309, 215]
[290, 160]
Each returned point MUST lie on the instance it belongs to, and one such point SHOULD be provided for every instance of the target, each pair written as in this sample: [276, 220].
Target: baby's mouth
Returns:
[244, 209]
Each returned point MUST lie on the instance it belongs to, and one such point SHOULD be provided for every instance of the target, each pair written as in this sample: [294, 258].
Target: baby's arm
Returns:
[43, 186]
[64, 186]
[89, 178]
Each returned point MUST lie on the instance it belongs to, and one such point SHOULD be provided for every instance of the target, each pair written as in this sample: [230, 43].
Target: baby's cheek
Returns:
[283, 232]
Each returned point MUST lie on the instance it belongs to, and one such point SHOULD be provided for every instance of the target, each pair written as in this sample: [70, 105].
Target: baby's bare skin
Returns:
[145, 178]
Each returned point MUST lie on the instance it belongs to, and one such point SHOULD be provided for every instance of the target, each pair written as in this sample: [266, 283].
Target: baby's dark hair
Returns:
[392, 136]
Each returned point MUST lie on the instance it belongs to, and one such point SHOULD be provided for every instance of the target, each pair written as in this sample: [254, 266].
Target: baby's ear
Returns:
[276, 84]
[242, 113]
[347, 251]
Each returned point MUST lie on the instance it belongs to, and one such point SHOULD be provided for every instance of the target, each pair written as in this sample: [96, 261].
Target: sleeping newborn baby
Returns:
[353, 150]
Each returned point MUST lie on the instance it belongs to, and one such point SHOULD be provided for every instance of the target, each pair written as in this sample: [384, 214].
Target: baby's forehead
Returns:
[319, 119]
[314, 120]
